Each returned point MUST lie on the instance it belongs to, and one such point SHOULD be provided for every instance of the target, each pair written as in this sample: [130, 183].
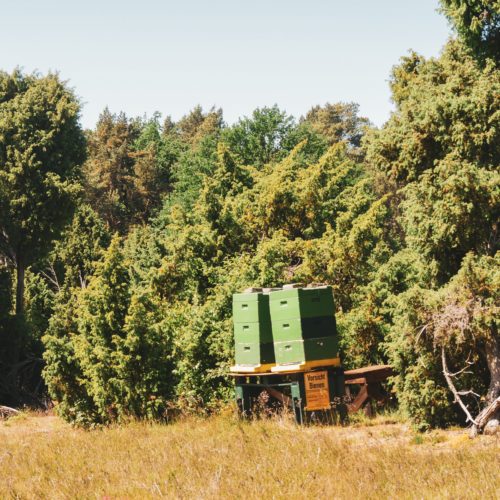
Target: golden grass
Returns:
[221, 457]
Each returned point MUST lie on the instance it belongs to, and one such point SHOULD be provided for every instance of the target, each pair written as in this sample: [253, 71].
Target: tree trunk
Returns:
[20, 288]
[17, 333]
[492, 348]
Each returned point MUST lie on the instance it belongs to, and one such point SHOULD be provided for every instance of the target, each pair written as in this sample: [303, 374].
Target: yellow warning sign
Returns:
[317, 392]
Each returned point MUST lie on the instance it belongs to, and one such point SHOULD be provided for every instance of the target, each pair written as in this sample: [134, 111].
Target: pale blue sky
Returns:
[168, 56]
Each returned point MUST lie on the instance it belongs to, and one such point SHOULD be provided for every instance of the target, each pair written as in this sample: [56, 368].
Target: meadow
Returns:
[222, 457]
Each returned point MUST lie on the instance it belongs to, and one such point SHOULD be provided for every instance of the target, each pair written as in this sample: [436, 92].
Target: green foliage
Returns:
[63, 372]
[109, 170]
[414, 346]
[154, 153]
[107, 352]
[75, 255]
[226, 182]
[101, 316]
[401, 221]
[189, 173]
[452, 210]
[39, 307]
[338, 122]
[143, 361]
[446, 107]
[41, 148]
[476, 287]
[74, 261]
[260, 139]
[196, 125]
[477, 23]
[143, 252]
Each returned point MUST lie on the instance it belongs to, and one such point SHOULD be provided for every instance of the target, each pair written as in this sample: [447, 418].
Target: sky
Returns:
[168, 56]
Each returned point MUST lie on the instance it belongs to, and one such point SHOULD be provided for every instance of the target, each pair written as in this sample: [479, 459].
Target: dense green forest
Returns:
[121, 247]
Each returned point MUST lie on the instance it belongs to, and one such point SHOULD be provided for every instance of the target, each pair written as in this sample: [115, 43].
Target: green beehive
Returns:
[302, 329]
[252, 329]
[299, 351]
[301, 303]
[253, 353]
[253, 332]
[251, 308]
[303, 324]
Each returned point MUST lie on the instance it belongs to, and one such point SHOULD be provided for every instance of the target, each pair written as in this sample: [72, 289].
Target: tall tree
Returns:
[441, 149]
[260, 139]
[154, 155]
[109, 170]
[41, 149]
[338, 122]
[192, 127]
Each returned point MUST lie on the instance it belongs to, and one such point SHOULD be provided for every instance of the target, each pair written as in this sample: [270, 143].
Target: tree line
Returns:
[121, 246]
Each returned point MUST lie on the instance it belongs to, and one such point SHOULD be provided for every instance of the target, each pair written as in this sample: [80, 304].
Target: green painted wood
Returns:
[253, 332]
[297, 351]
[306, 328]
[301, 303]
[251, 308]
[253, 353]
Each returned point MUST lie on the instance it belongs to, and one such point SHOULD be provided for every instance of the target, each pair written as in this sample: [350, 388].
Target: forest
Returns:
[121, 246]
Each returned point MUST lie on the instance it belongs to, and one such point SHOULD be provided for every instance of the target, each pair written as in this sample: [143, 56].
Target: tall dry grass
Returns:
[221, 457]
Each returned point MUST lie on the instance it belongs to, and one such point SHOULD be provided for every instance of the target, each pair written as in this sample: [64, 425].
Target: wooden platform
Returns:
[313, 394]
[288, 386]
[369, 378]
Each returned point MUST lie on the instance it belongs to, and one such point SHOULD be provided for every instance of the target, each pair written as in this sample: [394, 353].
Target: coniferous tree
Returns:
[41, 149]
[338, 122]
[440, 149]
[109, 170]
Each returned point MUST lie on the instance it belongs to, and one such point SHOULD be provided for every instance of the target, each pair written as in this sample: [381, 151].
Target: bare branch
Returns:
[463, 370]
[453, 388]
[422, 330]
[466, 393]
[54, 274]
[53, 279]
[83, 283]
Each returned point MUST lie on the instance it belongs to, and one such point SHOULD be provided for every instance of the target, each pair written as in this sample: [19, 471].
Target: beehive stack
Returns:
[254, 350]
[303, 327]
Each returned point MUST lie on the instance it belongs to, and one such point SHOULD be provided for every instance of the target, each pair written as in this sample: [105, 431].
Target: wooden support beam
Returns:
[360, 380]
[359, 400]
[287, 401]
[377, 373]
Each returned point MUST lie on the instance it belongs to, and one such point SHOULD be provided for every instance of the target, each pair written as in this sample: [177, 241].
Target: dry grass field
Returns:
[220, 457]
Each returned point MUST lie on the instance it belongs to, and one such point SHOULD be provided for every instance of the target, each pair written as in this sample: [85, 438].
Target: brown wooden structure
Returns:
[291, 390]
[369, 379]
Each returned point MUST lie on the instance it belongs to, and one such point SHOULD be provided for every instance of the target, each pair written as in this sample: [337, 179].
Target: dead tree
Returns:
[480, 421]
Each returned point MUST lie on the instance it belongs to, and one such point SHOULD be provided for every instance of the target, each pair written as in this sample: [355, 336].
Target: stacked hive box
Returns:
[254, 350]
[303, 326]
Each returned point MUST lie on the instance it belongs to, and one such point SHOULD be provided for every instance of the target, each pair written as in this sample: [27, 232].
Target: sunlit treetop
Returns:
[477, 23]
